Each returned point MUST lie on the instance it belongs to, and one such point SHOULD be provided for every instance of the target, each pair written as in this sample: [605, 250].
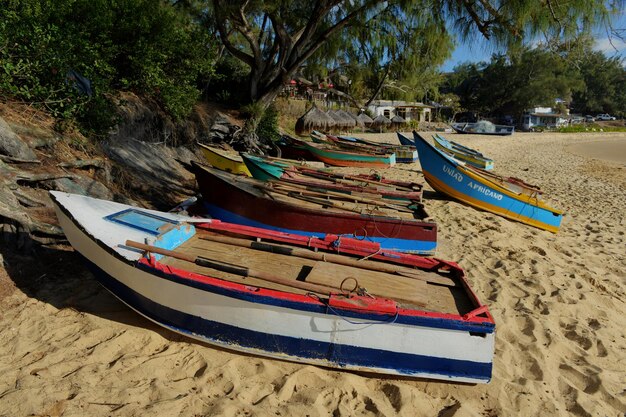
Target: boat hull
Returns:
[404, 155]
[289, 327]
[227, 202]
[471, 158]
[460, 183]
[224, 162]
[264, 171]
[466, 129]
[404, 140]
[350, 159]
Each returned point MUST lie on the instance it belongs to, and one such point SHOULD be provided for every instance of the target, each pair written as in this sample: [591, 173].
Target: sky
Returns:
[480, 50]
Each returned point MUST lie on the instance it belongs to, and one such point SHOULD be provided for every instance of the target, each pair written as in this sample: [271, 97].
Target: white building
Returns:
[544, 117]
[407, 110]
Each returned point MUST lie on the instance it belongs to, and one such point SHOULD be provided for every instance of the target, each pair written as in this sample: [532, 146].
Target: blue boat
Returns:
[508, 197]
[404, 140]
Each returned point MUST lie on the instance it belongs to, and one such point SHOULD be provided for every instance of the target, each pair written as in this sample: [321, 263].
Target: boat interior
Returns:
[319, 198]
[411, 288]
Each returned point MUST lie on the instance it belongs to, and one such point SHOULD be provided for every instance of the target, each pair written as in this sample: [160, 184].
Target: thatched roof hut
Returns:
[314, 119]
[381, 120]
[365, 119]
[398, 121]
[357, 122]
[342, 119]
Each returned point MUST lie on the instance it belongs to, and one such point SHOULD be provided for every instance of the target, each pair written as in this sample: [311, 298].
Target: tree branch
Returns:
[224, 34]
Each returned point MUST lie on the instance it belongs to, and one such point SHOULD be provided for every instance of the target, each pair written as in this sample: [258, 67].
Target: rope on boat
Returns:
[365, 258]
[335, 312]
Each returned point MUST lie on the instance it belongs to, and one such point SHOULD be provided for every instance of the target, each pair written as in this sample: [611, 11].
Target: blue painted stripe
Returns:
[253, 297]
[340, 355]
[439, 165]
[400, 245]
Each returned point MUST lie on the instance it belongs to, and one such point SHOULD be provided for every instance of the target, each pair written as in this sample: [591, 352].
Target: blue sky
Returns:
[480, 50]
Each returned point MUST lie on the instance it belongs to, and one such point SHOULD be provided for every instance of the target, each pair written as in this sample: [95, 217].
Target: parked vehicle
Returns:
[605, 116]
[589, 118]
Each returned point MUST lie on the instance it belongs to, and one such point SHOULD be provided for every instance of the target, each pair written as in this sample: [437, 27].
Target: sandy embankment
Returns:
[67, 347]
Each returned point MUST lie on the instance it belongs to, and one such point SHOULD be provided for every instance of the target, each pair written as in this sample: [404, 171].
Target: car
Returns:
[589, 118]
[605, 116]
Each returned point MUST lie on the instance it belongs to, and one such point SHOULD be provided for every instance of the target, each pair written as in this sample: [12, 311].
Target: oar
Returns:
[345, 196]
[235, 269]
[316, 200]
[340, 179]
[309, 171]
[330, 257]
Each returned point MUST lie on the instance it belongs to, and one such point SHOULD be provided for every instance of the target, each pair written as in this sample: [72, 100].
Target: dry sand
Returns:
[67, 347]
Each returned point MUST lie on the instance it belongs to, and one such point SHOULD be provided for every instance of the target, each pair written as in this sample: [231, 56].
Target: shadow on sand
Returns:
[57, 275]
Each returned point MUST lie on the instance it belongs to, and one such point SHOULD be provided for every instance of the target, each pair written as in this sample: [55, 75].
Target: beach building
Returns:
[544, 117]
[406, 110]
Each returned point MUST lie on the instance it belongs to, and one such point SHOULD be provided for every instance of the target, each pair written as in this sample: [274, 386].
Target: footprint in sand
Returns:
[586, 380]
[574, 333]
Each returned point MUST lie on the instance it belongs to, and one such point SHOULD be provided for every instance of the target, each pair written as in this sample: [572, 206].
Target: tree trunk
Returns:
[379, 87]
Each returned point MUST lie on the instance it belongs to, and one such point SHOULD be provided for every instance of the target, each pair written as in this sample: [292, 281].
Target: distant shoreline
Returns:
[611, 150]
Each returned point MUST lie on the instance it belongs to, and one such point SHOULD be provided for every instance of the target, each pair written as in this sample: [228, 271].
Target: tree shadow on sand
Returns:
[57, 275]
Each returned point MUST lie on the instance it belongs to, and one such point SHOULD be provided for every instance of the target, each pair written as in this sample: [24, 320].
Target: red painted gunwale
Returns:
[370, 250]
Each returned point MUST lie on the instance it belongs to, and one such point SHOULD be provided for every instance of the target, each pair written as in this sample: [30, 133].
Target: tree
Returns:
[276, 38]
[510, 85]
[604, 85]
[144, 45]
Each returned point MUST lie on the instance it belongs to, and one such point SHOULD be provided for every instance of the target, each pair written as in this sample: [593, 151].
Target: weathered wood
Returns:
[309, 172]
[234, 269]
[343, 196]
[330, 257]
[376, 283]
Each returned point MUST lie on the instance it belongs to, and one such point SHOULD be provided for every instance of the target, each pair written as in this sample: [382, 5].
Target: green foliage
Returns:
[147, 46]
[268, 125]
[590, 128]
[534, 77]
[370, 42]
[604, 85]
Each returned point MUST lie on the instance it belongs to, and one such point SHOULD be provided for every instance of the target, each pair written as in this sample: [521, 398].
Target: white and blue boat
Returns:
[511, 198]
[286, 296]
[465, 154]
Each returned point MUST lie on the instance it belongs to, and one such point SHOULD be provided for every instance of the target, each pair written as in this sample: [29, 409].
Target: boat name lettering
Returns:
[482, 189]
[451, 172]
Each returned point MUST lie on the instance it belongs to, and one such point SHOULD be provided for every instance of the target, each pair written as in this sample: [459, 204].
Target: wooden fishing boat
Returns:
[481, 128]
[291, 148]
[404, 140]
[507, 197]
[291, 209]
[336, 157]
[463, 153]
[404, 154]
[285, 296]
[265, 169]
[221, 159]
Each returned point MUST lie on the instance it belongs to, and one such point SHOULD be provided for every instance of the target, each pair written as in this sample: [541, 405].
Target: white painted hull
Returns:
[269, 326]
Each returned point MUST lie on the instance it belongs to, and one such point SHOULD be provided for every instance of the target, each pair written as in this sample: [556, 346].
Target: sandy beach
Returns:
[69, 348]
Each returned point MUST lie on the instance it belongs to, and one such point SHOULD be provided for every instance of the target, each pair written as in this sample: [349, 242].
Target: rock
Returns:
[12, 145]
[153, 169]
[83, 185]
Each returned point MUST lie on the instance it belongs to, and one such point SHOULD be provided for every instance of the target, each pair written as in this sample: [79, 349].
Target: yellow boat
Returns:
[224, 160]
